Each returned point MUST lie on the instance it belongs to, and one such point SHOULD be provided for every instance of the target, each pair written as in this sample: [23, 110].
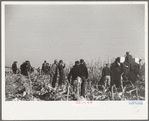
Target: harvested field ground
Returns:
[38, 88]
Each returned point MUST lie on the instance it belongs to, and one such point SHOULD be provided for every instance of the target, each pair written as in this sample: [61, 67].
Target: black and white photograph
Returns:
[83, 53]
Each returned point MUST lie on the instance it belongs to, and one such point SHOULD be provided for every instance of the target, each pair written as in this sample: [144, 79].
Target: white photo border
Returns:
[59, 110]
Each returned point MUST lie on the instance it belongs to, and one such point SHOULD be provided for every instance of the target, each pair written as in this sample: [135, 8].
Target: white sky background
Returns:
[77, 32]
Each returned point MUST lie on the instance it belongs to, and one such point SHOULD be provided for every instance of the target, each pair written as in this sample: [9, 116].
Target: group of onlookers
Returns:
[25, 68]
[114, 74]
[78, 70]
[57, 68]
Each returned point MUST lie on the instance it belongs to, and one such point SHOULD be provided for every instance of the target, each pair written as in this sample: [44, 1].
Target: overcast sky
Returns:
[71, 32]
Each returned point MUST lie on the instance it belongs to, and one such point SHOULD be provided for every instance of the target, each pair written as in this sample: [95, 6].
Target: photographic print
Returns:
[71, 52]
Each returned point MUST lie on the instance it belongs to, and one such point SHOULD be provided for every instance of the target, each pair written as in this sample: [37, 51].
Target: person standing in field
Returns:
[106, 76]
[22, 67]
[29, 67]
[14, 67]
[44, 67]
[74, 73]
[116, 71]
[61, 67]
[54, 70]
[83, 74]
[25, 68]
[128, 58]
[47, 69]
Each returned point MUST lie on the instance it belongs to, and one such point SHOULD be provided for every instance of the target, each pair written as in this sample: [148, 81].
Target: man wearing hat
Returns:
[128, 61]
[53, 73]
[106, 75]
[61, 67]
[128, 58]
[26, 68]
[14, 67]
[83, 74]
[116, 71]
[47, 68]
[74, 73]
[44, 67]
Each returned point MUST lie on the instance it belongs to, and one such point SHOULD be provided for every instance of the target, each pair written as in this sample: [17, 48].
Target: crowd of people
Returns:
[78, 70]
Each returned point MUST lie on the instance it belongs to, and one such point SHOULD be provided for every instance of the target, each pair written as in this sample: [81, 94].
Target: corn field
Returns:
[37, 87]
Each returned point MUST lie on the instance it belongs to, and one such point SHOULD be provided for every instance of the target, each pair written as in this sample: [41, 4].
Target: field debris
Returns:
[38, 88]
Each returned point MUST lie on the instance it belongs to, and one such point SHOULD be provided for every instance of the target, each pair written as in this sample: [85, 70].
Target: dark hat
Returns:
[127, 52]
[61, 61]
[45, 61]
[107, 64]
[118, 59]
[76, 62]
[81, 60]
[55, 60]
[15, 61]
